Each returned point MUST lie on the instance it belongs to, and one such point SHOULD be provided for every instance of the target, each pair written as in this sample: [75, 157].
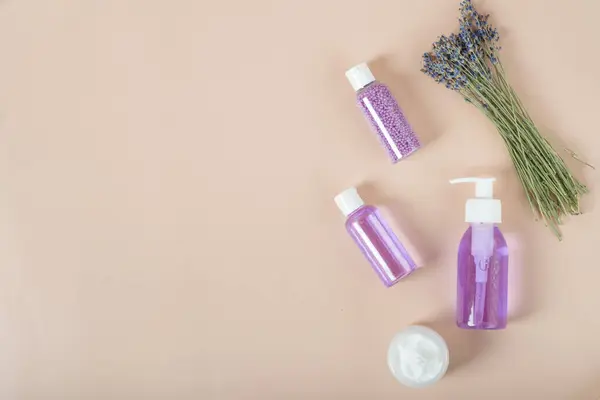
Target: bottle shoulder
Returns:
[499, 239]
[372, 87]
[499, 236]
[361, 213]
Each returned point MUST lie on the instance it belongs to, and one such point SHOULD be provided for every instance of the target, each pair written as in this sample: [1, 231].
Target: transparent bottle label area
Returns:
[482, 283]
[380, 245]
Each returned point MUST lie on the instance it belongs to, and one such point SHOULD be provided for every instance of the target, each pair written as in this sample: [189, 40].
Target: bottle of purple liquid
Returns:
[375, 238]
[383, 113]
[482, 285]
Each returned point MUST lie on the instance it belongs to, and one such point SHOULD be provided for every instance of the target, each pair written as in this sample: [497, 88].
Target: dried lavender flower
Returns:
[468, 62]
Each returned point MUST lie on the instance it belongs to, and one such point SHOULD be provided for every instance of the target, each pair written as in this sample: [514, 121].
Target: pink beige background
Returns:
[167, 229]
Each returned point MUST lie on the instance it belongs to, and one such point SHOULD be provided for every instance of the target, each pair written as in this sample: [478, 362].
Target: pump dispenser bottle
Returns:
[482, 262]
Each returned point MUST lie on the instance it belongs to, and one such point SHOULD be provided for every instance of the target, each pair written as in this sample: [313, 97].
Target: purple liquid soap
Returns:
[375, 238]
[482, 284]
[383, 113]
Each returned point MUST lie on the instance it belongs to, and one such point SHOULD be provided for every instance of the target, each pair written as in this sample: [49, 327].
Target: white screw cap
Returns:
[349, 201]
[360, 76]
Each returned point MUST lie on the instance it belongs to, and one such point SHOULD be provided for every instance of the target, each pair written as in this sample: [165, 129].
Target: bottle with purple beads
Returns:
[383, 113]
[375, 238]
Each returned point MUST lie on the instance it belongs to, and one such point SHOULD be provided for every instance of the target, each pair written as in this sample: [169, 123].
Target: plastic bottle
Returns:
[375, 238]
[381, 110]
[482, 262]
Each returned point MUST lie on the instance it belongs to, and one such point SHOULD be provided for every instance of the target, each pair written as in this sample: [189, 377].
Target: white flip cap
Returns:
[483, 208]
[418, 356]
[360, 76]
[348, 201]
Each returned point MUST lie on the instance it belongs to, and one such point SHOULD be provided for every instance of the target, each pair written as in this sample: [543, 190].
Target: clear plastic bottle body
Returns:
[387, 120]
[379, 244]
[482, 285]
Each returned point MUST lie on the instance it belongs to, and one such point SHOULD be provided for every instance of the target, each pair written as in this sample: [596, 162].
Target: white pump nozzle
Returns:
[483, 208]
[484, 187]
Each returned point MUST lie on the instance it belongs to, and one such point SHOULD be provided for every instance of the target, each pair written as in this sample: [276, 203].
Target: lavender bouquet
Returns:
[468, 63]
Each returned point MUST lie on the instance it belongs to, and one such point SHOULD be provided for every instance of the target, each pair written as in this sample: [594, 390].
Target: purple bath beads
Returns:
[383, 113]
